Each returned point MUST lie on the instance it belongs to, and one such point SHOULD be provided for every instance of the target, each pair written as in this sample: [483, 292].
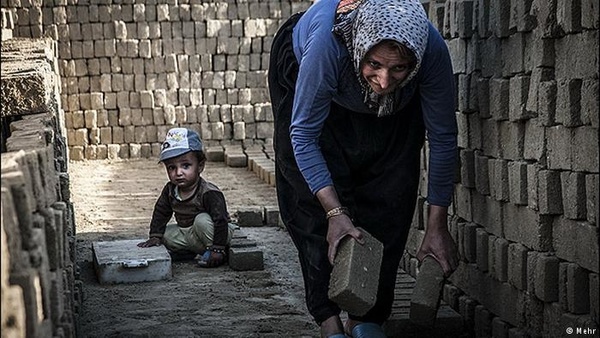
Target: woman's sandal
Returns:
[367, 330]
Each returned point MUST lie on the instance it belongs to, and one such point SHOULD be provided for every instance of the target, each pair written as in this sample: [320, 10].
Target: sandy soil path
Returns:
[114, 200]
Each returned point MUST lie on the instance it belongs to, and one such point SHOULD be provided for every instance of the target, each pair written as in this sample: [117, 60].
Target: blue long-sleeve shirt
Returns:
[326, 73]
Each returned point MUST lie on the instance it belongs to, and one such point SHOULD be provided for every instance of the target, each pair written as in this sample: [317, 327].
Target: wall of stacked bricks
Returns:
[525, 210]
[526, 202]
[41, 293]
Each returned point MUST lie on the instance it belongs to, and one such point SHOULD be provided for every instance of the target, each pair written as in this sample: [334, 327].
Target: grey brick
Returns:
[577, 289]
[593, 201]
[589, 102]
[549, 192]
[487, 212]
[568, 15]
[546, 278]
[521, 17]
[482, 183]
[470, 242]
[526, 226]
[517, 266]
[475, 137]
[589, 16]
[467, 168]
[517, 182]
[594, 302]
[499, 328]
[568, 102]
[560, 148]
[481, 12]
[483, 321]
[576, 242]
[499, 179]
[483, 97]
[246, 259]
[574, 196]
[499, 98]
[500, 18]
[581, 64]
[535, 139]
[482, 249]
[491, 147]
[355, 274]
[547, 103]
[546, 17]
[512, 139]
[513, 54]
[501, 259]
[585, 153]
[519, 91]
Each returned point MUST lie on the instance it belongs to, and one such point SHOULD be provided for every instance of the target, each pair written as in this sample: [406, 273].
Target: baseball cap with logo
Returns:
[178, 142]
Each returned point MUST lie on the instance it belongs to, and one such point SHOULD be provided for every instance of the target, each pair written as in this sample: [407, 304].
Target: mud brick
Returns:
[517, 266]
[594, 301]
[467, 168]
[576, 242]
[246, 258]
[250, 216]
[585, 158]
[532, 186]
[236, 159]
[547, 102]
[355, 275]
[517, 182]
[549, 192]
[499, 98]
[568, 102]
[568, 15]
[10, 226]
[546, 278]
[592, 197]
[483, 321]
[215, 154]
[470, 242]
[519, 91]
[427, 293]
[29, 281]
[482, 183]
[22, 202]
[520, 17]
[13, 307]
[526, 226]
[500, 18]
[482, 249]
[499, 328]
[501, 259]
[589, 102]
[573, 195]
[487, 212]
[271, 215]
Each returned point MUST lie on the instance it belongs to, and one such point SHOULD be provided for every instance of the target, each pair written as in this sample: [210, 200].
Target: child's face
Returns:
[184, 171]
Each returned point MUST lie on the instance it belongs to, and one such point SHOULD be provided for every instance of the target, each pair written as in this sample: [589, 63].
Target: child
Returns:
[199, 206]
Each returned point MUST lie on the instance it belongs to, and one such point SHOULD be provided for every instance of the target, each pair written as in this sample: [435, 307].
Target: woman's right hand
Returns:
[339, 227]
[152, 241]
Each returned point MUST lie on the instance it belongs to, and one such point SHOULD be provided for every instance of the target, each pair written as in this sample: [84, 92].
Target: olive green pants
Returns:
[195, 238]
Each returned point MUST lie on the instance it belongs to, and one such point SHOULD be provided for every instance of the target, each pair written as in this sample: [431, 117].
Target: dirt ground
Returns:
[114, 200]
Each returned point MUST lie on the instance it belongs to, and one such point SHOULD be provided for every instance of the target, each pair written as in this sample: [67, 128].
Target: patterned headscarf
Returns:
[364, 23]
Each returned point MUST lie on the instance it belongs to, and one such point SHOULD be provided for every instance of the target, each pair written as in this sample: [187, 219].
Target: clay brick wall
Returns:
[525, 211]
[40, 290]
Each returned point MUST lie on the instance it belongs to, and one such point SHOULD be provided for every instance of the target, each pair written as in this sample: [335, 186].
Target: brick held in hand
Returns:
[355, 277]
[427, 292]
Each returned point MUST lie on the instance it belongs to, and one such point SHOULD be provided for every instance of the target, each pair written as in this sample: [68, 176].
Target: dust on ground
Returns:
[113, 200]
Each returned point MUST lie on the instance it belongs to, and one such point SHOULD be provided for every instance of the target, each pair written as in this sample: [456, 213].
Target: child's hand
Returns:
[152, 241]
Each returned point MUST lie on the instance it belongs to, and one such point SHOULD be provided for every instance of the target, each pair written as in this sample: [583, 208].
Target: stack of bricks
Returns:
[131, 70]
[40, 293]
[525, 212]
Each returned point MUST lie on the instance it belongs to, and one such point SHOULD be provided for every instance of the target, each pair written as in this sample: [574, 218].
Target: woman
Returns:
[355, 85]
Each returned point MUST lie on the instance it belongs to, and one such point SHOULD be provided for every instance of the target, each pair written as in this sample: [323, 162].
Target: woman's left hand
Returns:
[438, 243]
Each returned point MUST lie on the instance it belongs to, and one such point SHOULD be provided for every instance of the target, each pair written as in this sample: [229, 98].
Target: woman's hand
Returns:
[339, 227]
[152, 241]
[438, 242]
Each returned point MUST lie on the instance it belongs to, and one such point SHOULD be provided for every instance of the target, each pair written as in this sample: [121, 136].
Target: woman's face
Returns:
[384, 69]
